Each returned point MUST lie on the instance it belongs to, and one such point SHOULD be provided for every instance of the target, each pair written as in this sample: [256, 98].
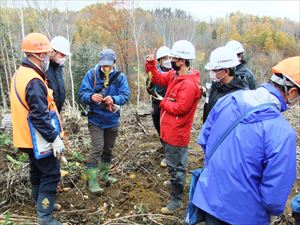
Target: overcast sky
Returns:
[204, 10]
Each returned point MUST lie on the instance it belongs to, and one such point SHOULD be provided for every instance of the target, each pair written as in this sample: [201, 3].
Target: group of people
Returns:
[250, 148]
[37, 98]
[249, 167]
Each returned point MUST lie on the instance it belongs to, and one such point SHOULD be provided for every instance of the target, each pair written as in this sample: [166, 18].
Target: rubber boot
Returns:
[163, 163]
[35, 194]
[93, 184]
[104, 170]
[44, 207]
[167, 184]
[173, 206]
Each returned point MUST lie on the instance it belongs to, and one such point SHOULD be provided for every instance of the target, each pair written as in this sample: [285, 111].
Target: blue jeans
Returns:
[211, 220]
[177, 160]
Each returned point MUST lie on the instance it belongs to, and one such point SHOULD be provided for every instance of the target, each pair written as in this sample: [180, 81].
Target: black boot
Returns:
[35, 192]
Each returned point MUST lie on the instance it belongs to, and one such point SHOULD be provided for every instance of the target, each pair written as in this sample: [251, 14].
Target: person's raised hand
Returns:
[151, 56]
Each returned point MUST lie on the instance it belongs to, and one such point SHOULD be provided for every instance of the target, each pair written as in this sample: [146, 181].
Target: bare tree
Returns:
[70, 60]
[4, 102]
[7, 57]
[50, 20]
[174, 25]
[6, 24]
[137, 28]
[20, 13]
[5, 65]
[11, 48]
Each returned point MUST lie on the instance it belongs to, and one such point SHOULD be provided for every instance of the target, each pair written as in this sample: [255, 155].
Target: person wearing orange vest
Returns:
[32, 99]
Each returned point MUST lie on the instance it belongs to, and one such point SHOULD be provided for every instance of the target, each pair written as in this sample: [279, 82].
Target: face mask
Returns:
[292, 103]
[106, 70]
[166, 64]
[60, 61]
[174, 66]
[45, 63]
[213, 76]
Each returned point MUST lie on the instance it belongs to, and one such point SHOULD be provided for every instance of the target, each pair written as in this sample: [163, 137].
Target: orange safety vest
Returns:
[21, 131]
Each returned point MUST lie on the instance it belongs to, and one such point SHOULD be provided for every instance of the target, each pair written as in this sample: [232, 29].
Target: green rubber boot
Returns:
[93, 184]
[104, 170]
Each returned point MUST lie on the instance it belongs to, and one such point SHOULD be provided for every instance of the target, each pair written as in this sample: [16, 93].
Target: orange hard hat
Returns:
[290, 68]
[36, 43]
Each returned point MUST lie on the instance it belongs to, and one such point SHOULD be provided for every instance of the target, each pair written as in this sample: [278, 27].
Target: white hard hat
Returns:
[221, 58]
[162, 51]
[183, 49]
[236, 46]
[61, 44]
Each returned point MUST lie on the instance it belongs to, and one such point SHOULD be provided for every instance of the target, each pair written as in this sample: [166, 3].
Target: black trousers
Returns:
[156, 117]
[44, 172]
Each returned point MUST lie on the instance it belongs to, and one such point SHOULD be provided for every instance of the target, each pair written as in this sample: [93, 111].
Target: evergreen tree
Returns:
[84, 58]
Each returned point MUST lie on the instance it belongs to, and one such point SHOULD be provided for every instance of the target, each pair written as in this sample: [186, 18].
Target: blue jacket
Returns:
[252, 172]
[56, 83]
[118, 90]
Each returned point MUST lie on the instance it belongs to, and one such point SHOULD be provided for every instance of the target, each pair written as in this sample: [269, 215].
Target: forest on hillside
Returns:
[130, 31]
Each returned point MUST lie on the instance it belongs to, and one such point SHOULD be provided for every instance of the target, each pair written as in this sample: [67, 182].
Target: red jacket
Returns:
[179, 104]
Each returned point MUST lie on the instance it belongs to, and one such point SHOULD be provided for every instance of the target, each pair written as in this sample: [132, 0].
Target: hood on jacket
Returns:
[194, 76]
[235, 83]
[253, 98]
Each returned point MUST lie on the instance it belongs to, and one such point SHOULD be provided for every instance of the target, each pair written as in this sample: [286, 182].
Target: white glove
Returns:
[273, 219]
[58, 147]
[157, 97]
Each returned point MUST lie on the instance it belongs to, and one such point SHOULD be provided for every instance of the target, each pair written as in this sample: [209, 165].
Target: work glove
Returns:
[157, 96]
[58, 147]
[273, 219]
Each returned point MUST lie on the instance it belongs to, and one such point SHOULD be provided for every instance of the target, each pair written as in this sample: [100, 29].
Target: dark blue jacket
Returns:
[36, 98]
[156, 88]
[56, 83]
[242, 71]
[219, 90]
[118, 90]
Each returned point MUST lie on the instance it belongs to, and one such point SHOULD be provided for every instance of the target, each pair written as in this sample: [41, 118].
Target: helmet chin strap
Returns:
[288, 101]
[291, 102]
[36, 56]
